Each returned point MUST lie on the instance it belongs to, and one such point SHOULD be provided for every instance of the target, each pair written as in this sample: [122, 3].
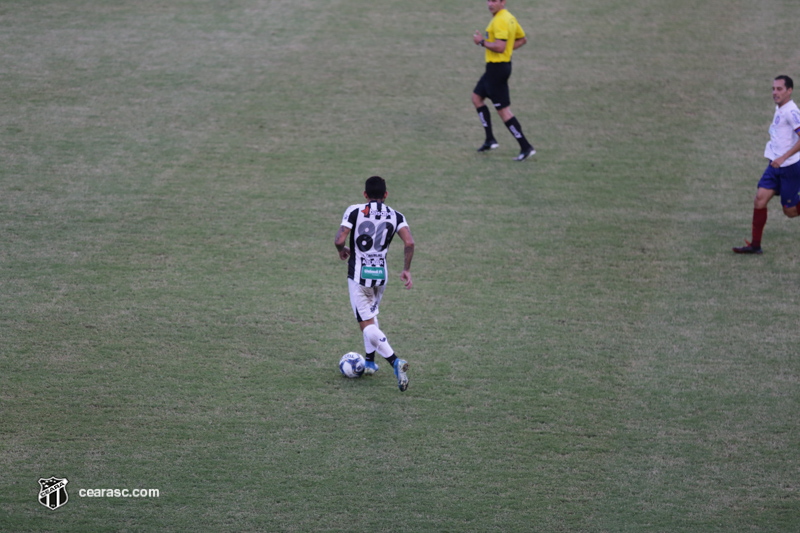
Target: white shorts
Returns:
[365, 300]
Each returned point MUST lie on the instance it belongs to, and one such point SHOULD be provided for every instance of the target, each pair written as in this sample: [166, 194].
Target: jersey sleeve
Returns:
[794, 119]
[349, 218]
[520, 32]
[501, 29]
[401, 221]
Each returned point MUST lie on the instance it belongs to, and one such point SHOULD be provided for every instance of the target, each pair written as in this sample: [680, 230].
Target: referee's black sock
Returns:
[516, 130]
[486, 120]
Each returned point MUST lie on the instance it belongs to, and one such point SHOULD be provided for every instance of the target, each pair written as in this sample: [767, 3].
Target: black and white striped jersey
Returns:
[372, 228]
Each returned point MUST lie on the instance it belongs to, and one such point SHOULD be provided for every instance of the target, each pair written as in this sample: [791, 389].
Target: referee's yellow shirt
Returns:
[504, 27]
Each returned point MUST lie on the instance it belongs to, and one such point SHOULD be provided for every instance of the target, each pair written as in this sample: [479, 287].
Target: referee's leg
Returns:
[486, 120]
[513, 125]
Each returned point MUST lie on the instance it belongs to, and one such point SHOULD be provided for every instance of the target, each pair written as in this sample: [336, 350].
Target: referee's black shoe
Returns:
[525, 154]
[488, 145]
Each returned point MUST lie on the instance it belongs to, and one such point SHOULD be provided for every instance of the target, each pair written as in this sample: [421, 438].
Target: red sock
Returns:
[759, 221]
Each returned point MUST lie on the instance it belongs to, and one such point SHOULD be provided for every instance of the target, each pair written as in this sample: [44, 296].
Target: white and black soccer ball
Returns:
[352, 365]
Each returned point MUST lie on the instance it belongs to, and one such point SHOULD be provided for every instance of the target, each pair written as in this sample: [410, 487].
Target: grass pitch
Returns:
[586, 352]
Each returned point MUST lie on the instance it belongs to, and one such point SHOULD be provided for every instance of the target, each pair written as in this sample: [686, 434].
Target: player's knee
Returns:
[790, 212]
[763, 196]
[374, 334]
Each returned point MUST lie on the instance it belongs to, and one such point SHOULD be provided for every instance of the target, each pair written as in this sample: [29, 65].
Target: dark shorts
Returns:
[494, 84]
[784, 181]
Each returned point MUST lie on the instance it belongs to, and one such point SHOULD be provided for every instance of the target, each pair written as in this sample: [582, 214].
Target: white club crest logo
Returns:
[53, 492]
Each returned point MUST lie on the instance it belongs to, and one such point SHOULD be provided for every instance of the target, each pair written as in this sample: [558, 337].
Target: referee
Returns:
[503, 36]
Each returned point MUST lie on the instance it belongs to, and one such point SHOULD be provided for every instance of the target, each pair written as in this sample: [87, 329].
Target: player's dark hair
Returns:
[787, 80]
[375, 188]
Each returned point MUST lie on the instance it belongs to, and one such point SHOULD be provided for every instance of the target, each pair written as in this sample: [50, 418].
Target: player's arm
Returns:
[408, 254]
[498, 45]
[341, 238]
[793, 150]
[520, 42]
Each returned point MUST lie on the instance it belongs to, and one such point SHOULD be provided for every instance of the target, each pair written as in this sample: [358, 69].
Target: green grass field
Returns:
[587, 355]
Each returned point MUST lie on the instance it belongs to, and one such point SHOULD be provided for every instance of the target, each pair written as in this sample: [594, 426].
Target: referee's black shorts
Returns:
[494, 84]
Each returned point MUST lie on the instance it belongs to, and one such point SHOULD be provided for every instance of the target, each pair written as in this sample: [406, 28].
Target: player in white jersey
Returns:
[370, 228]
[782, 175]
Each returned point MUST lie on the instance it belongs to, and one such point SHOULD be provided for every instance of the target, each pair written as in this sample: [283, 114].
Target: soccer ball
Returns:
[352, 365]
